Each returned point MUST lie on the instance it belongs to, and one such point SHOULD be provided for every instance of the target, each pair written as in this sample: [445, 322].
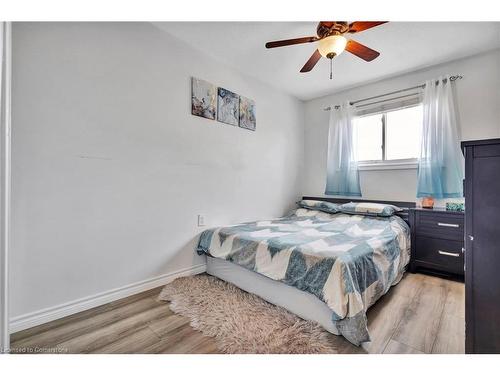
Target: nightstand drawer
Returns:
[440, 252]
[440, 225]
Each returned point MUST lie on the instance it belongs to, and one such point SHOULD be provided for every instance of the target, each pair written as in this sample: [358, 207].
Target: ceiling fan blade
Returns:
[311, 62]
[361, 50]
[289, 42]
[327, 23]
[358, 26]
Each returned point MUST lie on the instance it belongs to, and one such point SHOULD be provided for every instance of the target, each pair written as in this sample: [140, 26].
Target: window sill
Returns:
[375, 166]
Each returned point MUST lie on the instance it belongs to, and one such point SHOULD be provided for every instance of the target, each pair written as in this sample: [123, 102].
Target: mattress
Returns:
[302, 304]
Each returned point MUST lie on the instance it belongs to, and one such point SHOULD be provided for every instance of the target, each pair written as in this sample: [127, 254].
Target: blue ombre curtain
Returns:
[441, 164]
[342, 177]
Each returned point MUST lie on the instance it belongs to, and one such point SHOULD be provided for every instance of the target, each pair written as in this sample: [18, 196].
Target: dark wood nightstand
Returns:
[437, 241]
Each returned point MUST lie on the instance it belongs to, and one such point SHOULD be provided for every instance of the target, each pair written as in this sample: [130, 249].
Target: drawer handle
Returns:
[448, 254]
[448, 225]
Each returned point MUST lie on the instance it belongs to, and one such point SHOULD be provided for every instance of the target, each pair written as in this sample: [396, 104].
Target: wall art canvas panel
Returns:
[228, 107]
[203, 96]
[247, 113]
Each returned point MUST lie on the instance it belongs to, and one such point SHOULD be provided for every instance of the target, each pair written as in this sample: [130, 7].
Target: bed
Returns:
[327, 267]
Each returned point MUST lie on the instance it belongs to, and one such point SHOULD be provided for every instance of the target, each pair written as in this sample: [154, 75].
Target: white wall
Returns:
[110, 169]
[478, 98]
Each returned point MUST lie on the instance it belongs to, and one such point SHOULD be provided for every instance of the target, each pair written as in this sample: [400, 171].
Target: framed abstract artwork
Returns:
[228, 107]
[247, 114]
[203, 98]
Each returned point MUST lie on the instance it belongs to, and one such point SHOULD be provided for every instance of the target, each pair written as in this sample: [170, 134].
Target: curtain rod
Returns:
[452, 78]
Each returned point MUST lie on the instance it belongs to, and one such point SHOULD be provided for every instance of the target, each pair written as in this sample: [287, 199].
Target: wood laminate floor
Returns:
[422, 314]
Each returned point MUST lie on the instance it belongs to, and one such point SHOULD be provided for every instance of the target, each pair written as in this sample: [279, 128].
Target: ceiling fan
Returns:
[331, 42]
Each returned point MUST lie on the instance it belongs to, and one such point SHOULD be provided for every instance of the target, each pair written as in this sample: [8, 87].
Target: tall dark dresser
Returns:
[482, 246]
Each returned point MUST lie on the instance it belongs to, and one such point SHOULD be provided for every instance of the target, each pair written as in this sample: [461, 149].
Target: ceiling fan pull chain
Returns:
[331, 68]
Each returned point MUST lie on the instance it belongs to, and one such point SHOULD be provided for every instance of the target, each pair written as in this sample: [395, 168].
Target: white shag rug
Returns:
[241, 322]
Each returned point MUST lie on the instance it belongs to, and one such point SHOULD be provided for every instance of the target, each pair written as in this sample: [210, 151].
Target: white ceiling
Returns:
[403, 47]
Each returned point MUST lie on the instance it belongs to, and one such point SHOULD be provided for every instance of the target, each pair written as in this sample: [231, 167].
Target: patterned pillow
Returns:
[369, 209]
[331, 208]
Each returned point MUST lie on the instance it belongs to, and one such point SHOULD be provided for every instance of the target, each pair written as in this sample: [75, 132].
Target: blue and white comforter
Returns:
[347, 261]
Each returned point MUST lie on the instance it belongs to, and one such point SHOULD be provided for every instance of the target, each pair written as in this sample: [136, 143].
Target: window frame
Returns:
[384, 164]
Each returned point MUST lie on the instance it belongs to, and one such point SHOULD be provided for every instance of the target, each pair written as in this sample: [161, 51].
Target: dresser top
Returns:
[439, 210]
[480, 142]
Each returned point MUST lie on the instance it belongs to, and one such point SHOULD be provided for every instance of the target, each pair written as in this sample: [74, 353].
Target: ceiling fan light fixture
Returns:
[332, 45]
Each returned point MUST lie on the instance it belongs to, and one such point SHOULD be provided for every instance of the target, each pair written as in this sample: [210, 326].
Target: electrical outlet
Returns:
[201, 220]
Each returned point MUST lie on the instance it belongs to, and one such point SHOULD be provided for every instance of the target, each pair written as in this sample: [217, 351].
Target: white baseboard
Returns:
[33, 319]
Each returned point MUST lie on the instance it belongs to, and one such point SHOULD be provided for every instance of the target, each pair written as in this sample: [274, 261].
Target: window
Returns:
[388, 138]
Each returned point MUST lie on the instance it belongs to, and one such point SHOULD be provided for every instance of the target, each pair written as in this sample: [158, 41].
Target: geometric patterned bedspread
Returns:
[347, 261]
